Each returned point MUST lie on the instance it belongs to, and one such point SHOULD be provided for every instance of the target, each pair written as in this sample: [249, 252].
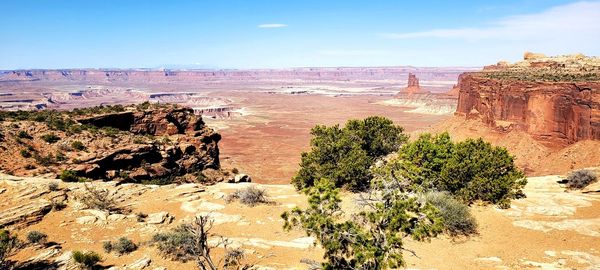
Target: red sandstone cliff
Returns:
[557, 109]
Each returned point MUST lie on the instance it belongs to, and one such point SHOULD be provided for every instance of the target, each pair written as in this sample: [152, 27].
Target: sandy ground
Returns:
[550, 229]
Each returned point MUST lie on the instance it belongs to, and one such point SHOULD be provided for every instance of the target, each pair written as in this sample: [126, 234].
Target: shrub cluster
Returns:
[580, 179]
[77, 145]
[37, 237]
[121, 246]
[344, 155]
[86, 259]
[69, 176]
[9, 245]
[175, 244]
[249, 196]
[471, 170]
[50, 138]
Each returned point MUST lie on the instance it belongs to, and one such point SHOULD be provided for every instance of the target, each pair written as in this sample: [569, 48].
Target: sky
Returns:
[291, 33]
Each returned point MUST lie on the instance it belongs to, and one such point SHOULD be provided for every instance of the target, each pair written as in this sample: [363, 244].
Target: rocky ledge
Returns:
[158, 144]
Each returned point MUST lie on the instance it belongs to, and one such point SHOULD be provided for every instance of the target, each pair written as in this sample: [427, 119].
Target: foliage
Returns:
[24, 135]
[140, 216]
[77, 145]
[101, 199]
[190, 242]
[580, 179]
[471, 170]
[50, 138]
[9, 245]
[44, 160]
[371, 239]
[121, 246]
[107, 246]
[53, 186]
[249, 196]
[87, 259]
[344, 155]
[457, 218]
[69, 176]
[37, 237]
[24, 153]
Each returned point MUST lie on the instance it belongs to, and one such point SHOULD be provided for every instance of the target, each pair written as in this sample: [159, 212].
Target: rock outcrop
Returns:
[412, 86]
[556, 100]
[156, 144]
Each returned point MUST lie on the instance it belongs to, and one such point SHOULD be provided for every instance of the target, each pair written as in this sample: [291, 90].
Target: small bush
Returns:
[9, 245]
[77, 145]
[124, 245]
[69, 176]
[107, 246]
[235, 170]
[60, 156]
[580, 179]
[58, 205]
[87, 259]
[37, 237]
[50, 138]
[53, 186]
[176, 243]
[29, 167]
[26, 154]
[24, 135]
[457, 217]
[101, 199]
[249, 196]
[141, 217]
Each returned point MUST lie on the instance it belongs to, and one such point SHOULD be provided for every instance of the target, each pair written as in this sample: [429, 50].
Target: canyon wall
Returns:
[555, 106]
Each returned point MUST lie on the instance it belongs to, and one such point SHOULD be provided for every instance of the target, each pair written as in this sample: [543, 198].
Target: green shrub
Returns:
[87, 259]
[50, 138]
[107, 246]
[175, 244]
[249, 196]
[457, 218]
[60, 156]
[77, 145]
[36, 237]
[24, 153]
[370, 239]
[9, 245]
[44, 160]
[471, 170]
[580, 179]
[344, 155]
[24, 135]
[124, 245]
[53, 186]
[141, 217]
[69, 176]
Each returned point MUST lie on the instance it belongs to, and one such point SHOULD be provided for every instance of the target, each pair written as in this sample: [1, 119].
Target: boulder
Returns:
[159, 218]
[241, 178]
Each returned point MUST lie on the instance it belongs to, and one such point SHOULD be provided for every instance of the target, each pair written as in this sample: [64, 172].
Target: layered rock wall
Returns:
[558, 113]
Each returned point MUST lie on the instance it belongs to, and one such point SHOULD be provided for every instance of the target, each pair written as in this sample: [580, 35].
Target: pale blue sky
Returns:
[291, 33]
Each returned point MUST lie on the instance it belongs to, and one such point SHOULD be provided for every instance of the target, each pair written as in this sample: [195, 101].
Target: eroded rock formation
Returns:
[554, 99]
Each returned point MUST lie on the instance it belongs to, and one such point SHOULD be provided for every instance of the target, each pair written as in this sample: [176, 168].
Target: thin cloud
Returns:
[272, 25]
[580, 20]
